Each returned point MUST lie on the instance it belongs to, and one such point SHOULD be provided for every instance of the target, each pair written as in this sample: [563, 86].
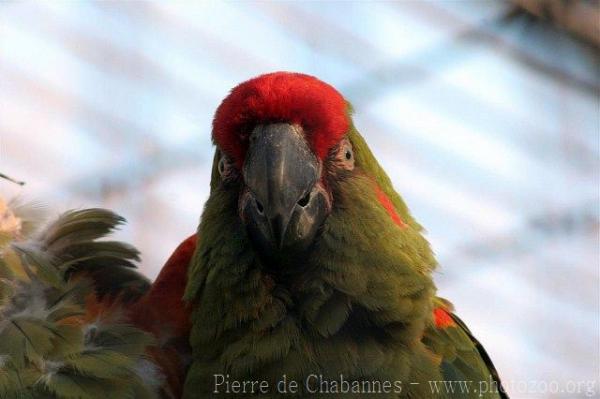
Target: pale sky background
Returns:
[487, 124]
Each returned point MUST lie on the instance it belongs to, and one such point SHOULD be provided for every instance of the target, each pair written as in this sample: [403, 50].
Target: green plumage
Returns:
[358, 305]
[48, 348]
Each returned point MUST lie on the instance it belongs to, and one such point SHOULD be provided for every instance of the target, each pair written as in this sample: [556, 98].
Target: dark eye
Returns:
[345, 155]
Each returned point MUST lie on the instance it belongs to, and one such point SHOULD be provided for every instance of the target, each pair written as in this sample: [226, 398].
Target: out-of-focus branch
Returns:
[3, 176]
[580, 17]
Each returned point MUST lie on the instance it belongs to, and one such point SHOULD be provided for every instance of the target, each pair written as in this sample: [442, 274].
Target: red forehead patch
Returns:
[281, 97]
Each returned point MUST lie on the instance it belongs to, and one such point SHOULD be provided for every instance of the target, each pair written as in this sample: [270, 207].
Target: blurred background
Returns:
[486, 115]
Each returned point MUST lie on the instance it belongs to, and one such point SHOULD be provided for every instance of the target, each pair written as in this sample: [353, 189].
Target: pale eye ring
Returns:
[223, 166]
[345, 155]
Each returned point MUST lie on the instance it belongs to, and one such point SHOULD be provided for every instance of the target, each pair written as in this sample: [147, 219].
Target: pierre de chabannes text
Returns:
[314, 383]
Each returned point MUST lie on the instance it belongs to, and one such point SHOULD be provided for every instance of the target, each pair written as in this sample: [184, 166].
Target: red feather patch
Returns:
[162, 307]
[281, 97]
[442, 318]
[389, 206]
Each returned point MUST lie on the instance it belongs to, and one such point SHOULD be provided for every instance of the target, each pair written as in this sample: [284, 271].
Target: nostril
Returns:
[304, 200]
[259, 206]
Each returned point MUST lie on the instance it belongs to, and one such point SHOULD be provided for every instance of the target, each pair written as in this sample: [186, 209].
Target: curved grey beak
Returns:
[283, 208]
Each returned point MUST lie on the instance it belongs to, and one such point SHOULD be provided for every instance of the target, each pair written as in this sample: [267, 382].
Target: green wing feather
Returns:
[47, 348]
[462, 358]
[72, 241]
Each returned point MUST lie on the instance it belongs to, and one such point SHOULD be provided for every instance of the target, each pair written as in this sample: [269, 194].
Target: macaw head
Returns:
[287, 141]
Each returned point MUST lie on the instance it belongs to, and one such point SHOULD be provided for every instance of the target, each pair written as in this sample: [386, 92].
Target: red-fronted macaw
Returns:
[307, 268]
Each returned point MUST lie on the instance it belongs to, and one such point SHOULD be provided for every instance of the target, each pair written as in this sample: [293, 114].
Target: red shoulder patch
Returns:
[442, 318]
[163, 308]
[281, 97]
